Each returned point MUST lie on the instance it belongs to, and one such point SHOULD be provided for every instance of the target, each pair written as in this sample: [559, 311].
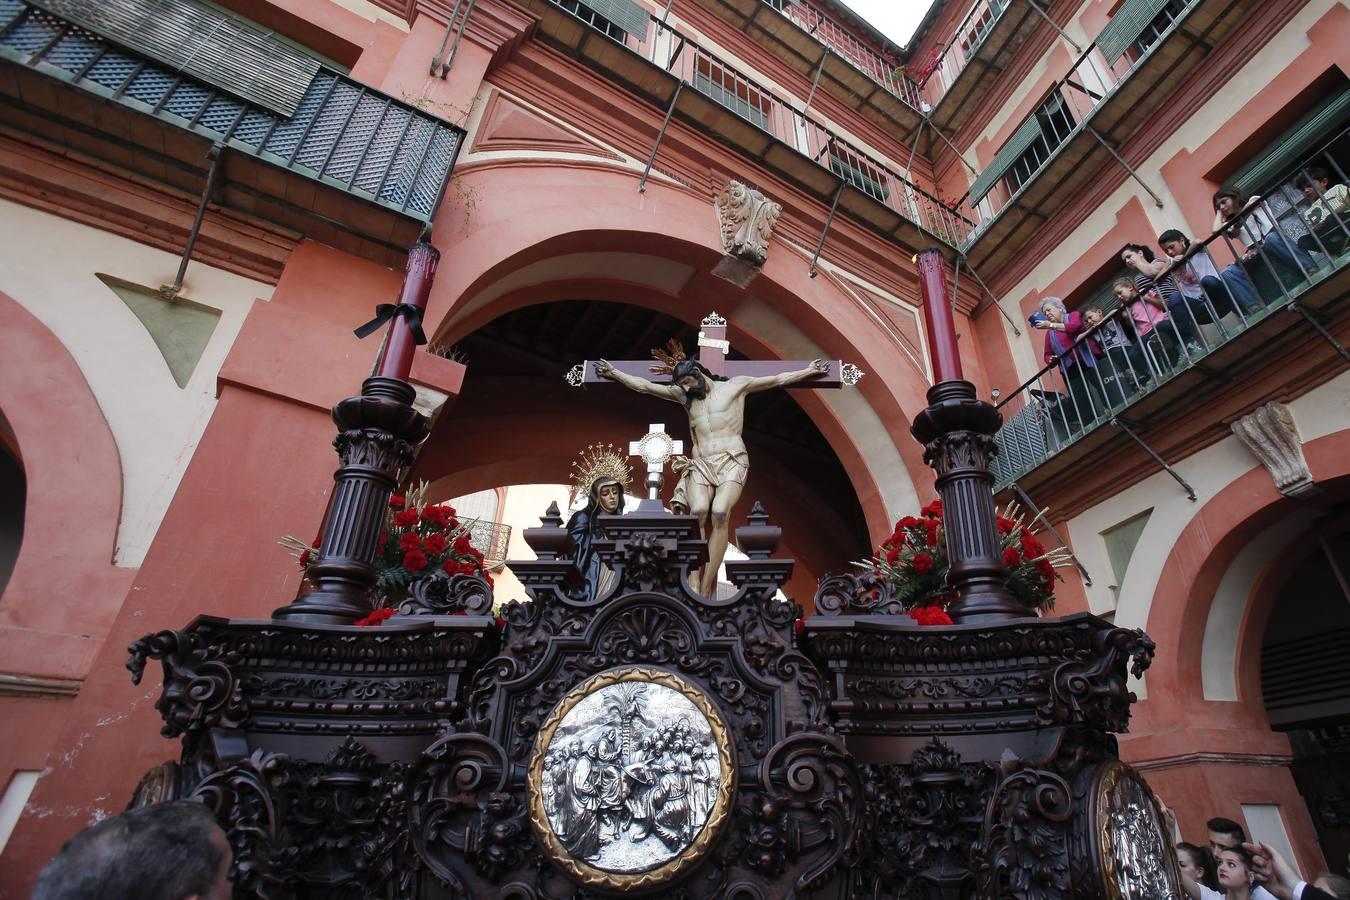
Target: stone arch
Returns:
[577, 230]
[64, 591]
[510, 428]
[1239, 537]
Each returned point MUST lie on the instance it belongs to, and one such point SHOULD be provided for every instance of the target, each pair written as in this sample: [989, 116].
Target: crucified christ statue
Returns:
[719, 462]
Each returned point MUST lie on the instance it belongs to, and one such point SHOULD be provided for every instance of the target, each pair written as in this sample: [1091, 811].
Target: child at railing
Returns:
[1328, 214]
[1119, 359]
[1147, 311]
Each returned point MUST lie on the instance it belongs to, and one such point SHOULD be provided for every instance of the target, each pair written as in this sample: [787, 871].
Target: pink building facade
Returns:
[158, 442]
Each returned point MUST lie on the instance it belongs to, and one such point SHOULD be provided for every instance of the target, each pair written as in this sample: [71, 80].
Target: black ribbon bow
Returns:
[386, 311]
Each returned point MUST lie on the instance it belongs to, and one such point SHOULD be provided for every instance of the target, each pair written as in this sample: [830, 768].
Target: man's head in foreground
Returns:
[166, 851]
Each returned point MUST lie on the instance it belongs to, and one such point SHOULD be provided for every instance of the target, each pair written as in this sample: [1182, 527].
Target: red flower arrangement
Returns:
[418, 539]
[914, 559]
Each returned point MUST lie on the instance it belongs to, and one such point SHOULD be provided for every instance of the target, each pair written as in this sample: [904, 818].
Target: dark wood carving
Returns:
[978, 743]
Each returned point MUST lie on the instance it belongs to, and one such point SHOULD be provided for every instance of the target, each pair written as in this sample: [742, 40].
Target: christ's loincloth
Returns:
[713, 471]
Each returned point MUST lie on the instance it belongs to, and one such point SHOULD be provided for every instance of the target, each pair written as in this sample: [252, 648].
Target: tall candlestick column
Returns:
[957, 431]
[378, 435]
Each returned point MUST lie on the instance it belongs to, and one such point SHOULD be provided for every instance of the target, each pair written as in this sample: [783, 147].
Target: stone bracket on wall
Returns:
[1270, 433]
[747, 219]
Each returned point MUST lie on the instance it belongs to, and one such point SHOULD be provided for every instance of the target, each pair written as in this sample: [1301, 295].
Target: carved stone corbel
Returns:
[747, 218]
[1270, 434]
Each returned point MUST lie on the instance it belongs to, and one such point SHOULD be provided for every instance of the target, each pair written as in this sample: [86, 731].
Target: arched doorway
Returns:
[13, 500]
[518, 422]
[1305, 677]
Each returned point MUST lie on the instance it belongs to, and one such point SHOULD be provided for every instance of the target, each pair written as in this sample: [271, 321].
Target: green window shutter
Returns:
[1126, 25]
[1289, 148]
[624, 13]
[226, 52]
[1022, 138]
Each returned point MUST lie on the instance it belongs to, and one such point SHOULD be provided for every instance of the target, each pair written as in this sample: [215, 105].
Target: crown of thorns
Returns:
[667, 358]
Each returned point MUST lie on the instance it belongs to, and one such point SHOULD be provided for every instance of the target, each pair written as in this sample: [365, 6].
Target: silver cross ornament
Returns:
[656, 448]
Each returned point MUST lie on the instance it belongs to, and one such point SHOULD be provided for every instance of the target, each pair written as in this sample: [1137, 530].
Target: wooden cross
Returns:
[712, 354]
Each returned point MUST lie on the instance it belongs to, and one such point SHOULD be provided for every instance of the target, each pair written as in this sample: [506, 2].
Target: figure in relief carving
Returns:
[718, 462]
[602, 474]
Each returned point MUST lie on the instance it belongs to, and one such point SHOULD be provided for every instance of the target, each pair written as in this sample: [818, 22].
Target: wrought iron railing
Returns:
[1150, 338]
[493, 539]
[959, 50]
[343, 133]
[871, 62]
[684, 58]
[1090, 82]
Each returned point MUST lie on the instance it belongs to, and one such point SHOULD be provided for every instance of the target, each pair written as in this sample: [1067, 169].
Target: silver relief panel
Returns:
[630, 777]
[1139, 845]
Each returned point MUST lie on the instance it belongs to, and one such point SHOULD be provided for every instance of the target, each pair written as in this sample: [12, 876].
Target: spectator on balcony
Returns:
[1153, 279]
[1327, 217]
[1119, 362]
[1275, 265]
[1200, 279]
[1147, 311]
[1077, 359]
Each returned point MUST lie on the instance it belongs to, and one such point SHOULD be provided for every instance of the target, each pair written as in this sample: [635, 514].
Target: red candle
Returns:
[937, 317]
[417, 278]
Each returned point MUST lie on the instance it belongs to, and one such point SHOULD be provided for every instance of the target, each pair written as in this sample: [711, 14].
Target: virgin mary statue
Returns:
[602, 473]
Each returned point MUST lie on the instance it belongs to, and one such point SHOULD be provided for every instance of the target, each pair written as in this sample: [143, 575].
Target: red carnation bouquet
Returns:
[418, 539]
[914, 559]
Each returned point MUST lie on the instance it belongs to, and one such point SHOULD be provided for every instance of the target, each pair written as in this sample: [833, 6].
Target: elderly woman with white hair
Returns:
[1077, 360]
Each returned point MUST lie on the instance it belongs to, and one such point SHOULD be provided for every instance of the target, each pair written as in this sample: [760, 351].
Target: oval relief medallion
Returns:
[631, 778]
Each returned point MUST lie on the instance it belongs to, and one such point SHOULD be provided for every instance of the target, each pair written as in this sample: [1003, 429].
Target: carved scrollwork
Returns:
[335, 824]
[1090, 686]
[439, 594]
[460, 808]
[200, 688]
[924, 823]
[1024, 850]
[809, 808]
[864, 593]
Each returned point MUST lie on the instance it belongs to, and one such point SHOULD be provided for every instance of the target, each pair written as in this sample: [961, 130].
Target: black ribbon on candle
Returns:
[386, 311]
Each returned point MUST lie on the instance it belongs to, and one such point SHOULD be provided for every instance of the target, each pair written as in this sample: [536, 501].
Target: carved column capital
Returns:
[1270, 433]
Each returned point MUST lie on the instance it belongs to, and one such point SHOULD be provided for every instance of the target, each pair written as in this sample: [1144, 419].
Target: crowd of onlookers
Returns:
[1177, 303]
[1230, 867]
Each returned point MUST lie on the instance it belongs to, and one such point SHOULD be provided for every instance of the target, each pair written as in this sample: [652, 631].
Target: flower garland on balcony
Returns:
[418, 539]
[914, 560]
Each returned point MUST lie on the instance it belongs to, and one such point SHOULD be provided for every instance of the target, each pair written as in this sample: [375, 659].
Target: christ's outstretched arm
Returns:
[665, 391]
[750, 385]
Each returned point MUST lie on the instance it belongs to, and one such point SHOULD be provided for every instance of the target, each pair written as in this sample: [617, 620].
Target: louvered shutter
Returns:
[1017, 145]
[624, 13]
[1126, 25]
[1289, 149]
[225, 52]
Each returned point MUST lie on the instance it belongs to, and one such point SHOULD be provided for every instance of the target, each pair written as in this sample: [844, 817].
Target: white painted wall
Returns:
[1318, 413]
[47, 264]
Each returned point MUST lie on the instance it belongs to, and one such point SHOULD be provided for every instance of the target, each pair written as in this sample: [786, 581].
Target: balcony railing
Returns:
[960, 49]
[875, 65]
[492, 538]
[1304, 242]
[343, 134]
[685, 59]
[1092, 81]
